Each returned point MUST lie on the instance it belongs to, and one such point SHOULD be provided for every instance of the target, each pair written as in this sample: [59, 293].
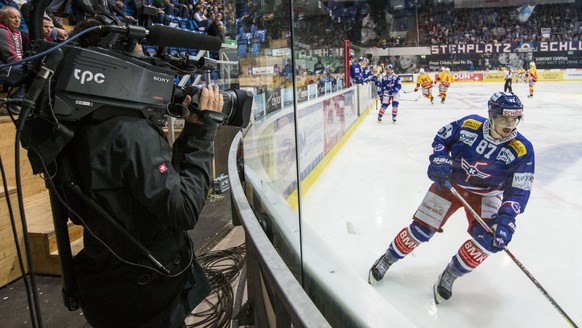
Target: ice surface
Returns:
[373, 186]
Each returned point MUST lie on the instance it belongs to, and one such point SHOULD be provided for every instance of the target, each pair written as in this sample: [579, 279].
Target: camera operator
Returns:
[156, 192]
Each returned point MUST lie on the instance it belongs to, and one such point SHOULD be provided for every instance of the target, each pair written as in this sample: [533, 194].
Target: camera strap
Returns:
[210, 118]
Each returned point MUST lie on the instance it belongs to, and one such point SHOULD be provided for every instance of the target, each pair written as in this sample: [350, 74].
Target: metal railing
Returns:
[277, 297]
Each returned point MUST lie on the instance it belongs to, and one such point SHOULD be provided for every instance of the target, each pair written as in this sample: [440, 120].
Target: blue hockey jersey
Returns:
[487, 166]
[390, 84]
[356, 73]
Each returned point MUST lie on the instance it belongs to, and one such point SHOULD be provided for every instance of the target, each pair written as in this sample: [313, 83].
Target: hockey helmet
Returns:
[448, 69]
[505, 104]
[420, 71]
[390, 67]
[532, 64]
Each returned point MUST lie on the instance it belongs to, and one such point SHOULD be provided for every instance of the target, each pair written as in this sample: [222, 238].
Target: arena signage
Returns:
[465, 76]
[484, 48]
[471, 48]
[560, 46]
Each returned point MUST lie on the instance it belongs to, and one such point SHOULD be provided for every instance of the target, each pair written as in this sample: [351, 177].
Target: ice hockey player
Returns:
[356, 71]
[389, 91]
[425, 81]
[532, 75]
[508, 79]
[520, 76]
[492, 166]
[366, 70]
[376, 74]
[444, 80]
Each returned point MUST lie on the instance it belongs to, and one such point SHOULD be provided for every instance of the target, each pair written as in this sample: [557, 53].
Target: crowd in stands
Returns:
[204, 16]
[201, 16]
[447, 25]
[323, 25]
[188, 14]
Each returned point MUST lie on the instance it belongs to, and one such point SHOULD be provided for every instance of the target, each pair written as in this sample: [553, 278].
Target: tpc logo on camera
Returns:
[87, 76]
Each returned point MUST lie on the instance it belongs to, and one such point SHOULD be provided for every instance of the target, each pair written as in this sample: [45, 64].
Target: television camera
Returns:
[106, 76]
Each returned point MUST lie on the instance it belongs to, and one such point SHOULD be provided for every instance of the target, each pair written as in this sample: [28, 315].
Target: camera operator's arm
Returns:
[193, 152]
[170, 183]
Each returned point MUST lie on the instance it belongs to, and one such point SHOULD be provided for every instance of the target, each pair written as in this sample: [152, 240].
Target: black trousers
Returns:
[507, 86]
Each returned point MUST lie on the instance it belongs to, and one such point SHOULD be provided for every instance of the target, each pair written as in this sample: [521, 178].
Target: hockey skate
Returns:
[443, 289]
[530, 96]
[431, 101]
[379, 119]
[443, 101]
[393, 119]
[379, 269]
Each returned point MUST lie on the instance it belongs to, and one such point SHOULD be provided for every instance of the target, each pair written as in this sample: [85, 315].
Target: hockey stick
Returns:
[521, 266]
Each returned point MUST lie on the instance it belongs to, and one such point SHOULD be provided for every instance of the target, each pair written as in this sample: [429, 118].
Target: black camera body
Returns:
[93, 78]
[90, 79]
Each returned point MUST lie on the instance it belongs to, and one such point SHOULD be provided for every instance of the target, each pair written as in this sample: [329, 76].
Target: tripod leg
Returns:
[60, 219]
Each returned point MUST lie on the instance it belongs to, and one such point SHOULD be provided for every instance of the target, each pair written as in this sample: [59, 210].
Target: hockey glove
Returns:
[439, 170]
[415, 89]
[503, 226]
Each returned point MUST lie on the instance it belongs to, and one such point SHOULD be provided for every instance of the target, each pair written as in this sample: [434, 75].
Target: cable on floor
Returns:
[222, 267]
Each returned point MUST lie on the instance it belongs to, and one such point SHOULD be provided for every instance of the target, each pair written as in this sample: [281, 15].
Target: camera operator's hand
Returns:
[210, 99]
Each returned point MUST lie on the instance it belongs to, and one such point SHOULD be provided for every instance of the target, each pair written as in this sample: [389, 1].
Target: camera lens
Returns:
[237, 105]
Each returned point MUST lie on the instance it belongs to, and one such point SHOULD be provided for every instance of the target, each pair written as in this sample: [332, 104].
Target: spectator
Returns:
[48, 29]
[288, 69]
[217, 28]
[200, 18]
[368, 28]
[175, 8]
[83, 9]
[13, 4]
[248, 19]
[318, 68]
[11, 50]
[61, 33]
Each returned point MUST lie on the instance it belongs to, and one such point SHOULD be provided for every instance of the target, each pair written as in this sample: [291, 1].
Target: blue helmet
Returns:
[505, 104]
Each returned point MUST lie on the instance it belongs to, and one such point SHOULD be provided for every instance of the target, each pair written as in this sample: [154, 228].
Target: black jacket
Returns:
[156, 192]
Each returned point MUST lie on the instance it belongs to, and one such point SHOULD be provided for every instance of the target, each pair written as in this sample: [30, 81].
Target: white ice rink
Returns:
[372, 187]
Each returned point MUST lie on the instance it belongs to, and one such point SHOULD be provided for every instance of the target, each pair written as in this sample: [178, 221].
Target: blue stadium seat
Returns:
[259, 36]
[184, 23]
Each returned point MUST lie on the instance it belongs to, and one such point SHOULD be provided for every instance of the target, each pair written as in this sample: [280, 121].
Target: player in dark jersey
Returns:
[492, 166]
